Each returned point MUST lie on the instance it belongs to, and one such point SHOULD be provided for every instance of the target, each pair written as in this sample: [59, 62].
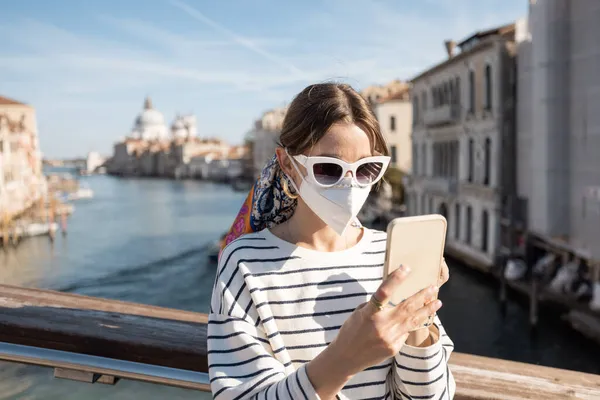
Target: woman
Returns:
[299, 310]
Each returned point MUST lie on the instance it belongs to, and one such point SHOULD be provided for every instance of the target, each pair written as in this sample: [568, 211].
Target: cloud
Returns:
[75, 77]
[241, 40]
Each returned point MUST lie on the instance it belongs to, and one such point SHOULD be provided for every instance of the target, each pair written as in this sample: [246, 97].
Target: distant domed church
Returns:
[150, 124]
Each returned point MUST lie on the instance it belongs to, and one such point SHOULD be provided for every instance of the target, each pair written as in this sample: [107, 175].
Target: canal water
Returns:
[145, 241]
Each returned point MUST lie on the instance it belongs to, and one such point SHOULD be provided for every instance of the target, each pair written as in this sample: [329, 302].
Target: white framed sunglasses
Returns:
[329, 171]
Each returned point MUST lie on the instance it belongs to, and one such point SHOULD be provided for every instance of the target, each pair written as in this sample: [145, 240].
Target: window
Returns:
[424, 101]
[393, 155]
[471, 160]
[469, 217]
[424, 169]
[415, 159]
[471, 91]
[392, 123]
[488, 87]
[457, 222]
[484, 231]
[415, 110]
[457, 91]
[488, 161]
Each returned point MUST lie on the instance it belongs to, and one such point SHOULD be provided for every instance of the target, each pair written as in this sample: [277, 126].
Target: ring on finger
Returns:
[377, 303]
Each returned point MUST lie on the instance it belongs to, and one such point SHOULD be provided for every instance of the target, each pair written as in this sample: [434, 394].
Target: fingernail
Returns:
[404, 268]
[433, 289]
[438, 304]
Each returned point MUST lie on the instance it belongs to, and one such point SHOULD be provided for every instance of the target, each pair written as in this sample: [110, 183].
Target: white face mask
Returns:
[337, 206]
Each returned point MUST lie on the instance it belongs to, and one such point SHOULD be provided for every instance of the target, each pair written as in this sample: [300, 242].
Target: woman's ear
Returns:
[284, 161]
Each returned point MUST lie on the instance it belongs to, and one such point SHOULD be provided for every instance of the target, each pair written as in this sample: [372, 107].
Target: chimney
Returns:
[450, 45]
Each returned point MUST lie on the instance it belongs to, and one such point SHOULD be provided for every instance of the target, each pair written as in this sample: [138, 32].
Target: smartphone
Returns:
[419, 243]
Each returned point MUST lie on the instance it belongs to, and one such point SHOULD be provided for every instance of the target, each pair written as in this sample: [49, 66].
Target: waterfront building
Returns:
[93, 162]
[21, 180]
[149, 149]
[150, 124]
[462, 109]
[558, 135]
[394, 113]
[374, 93]
[265, 137]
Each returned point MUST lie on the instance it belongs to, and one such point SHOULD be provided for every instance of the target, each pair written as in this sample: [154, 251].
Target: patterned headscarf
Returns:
[266, 205]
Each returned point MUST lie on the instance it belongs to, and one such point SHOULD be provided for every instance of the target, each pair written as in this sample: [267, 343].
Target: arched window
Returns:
[424, 170]
[488, 87]
[484, 231]
[457, 89]
[471, 160]
[457, 221]
[488, 161]
[469, 218]
[415, 110]
[472, 91]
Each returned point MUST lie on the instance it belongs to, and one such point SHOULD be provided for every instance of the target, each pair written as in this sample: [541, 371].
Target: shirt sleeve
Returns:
[241, 361]
[422, 372]
[242, 364]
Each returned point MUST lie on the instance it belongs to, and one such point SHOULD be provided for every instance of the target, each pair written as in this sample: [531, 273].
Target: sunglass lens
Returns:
[368, 172]
[327, 173]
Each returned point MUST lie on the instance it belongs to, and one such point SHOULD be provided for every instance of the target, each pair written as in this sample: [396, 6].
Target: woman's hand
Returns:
[444, 274]
[371, 335]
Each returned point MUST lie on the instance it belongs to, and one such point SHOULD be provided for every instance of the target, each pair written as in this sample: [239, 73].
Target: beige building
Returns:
[394, 114]
[462, 110]
[21, 179]
[265, 136]
[375, 93]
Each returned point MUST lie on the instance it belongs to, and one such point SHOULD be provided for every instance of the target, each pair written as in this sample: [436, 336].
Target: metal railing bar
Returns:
[104, 366]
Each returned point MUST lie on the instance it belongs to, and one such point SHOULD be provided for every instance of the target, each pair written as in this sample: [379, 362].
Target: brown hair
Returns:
[316, 108]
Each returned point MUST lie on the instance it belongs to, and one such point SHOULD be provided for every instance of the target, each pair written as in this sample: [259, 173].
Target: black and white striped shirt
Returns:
[275, 306]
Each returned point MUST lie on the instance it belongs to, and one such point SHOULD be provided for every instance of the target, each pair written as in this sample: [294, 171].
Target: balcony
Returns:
[443, 115]
[441, 185]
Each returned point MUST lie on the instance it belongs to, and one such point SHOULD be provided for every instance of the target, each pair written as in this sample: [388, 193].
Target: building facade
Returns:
[21, 180]
[394, 114]
[462, 109]
[375, 93]
[149, 151]
[265, 137]
[558, 159]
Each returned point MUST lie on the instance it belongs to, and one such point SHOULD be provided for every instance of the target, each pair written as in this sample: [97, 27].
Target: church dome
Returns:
[150, 116]
[150, 123]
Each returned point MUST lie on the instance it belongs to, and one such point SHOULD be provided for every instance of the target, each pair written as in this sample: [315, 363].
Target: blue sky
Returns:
[87, 65]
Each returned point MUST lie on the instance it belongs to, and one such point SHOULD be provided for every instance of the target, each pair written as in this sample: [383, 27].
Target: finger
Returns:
[387, 288]
[445, 272]
[421, 316]
[416, 301]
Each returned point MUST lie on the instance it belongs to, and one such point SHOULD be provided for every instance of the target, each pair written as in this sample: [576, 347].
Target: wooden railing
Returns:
[98, 340]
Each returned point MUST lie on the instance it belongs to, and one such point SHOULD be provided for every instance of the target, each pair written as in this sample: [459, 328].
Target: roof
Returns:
[5, 101]
[500, 30]
[490, 33]
[403, 95]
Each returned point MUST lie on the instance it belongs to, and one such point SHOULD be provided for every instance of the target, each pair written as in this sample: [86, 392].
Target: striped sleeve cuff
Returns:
[305, 387]
[421, 372]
